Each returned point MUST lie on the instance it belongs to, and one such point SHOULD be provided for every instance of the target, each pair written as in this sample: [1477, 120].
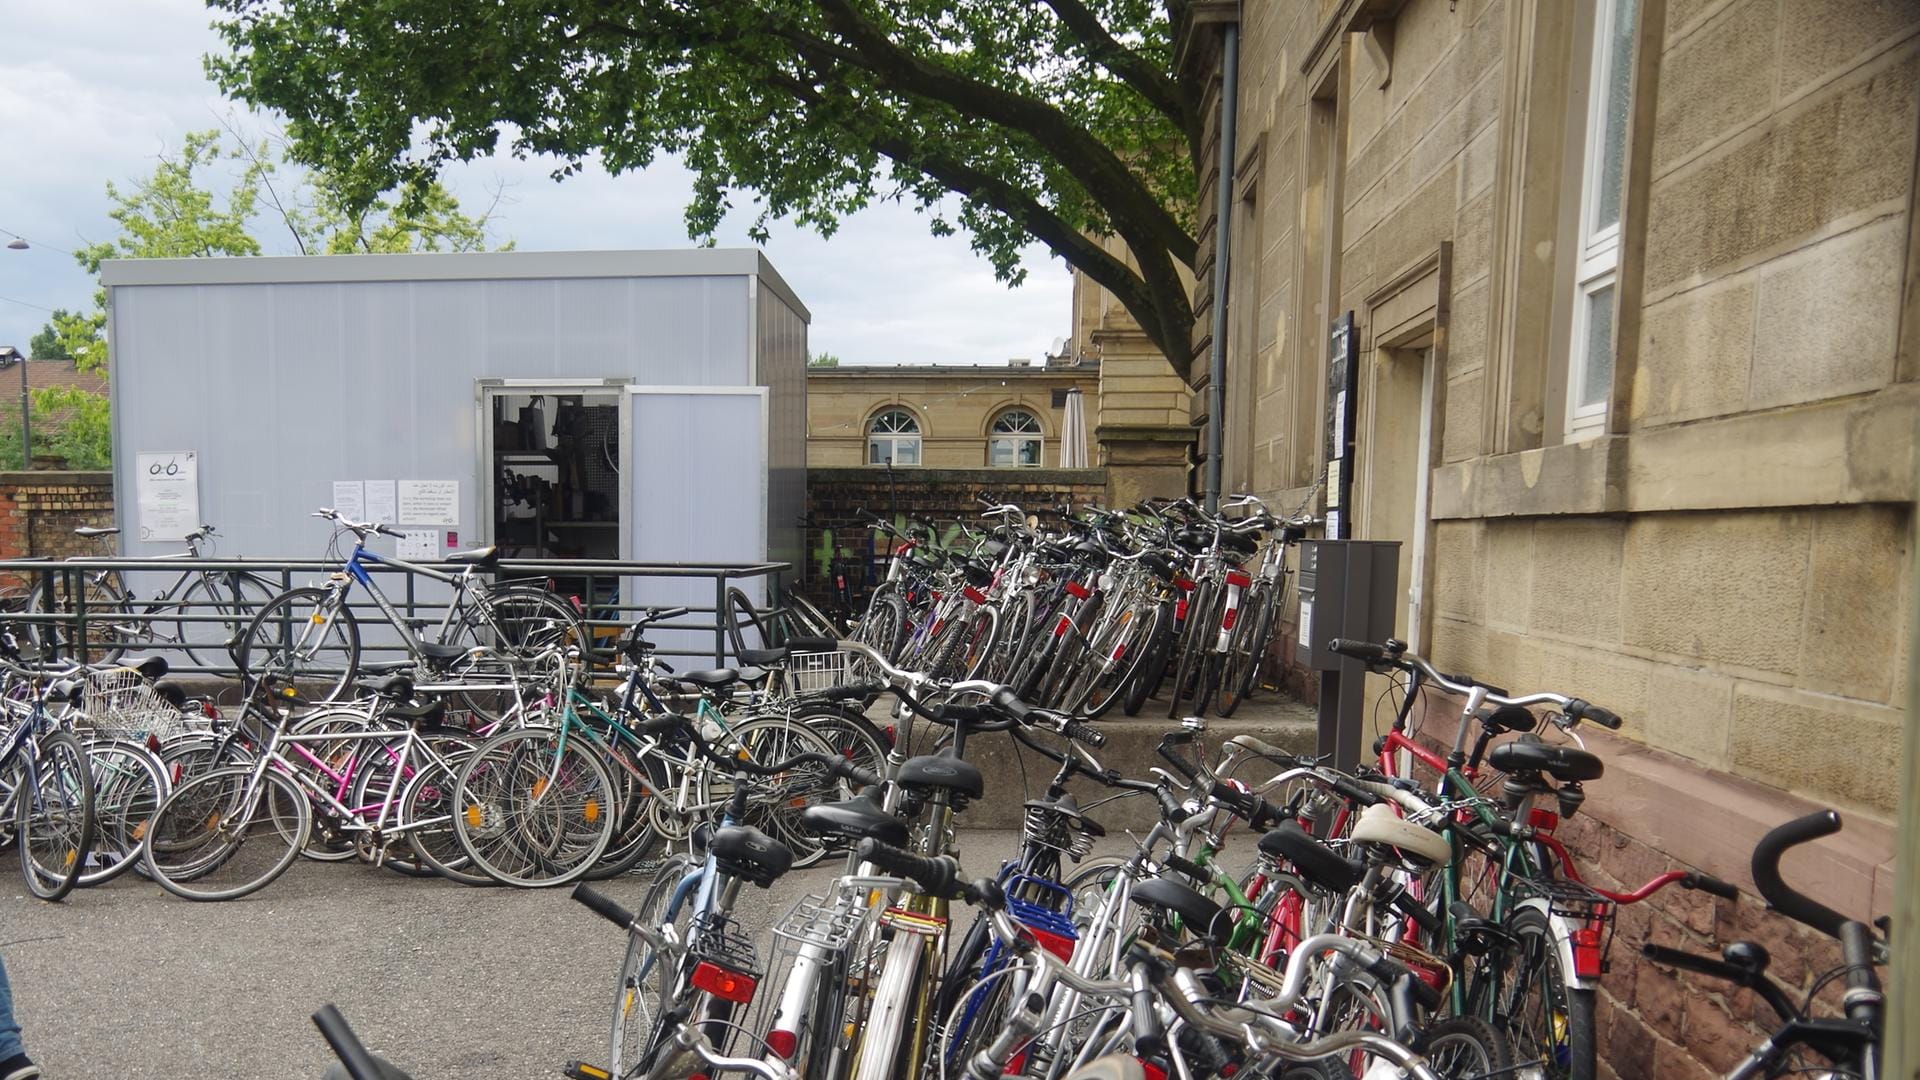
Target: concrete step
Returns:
[1014, 774]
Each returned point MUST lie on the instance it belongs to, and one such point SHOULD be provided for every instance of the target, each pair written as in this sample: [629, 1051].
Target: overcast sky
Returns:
[96, 90]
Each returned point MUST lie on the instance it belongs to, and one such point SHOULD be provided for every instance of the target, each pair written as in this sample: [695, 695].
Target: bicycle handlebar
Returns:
[347, 1046]
[1374, 655]
[1779, 895]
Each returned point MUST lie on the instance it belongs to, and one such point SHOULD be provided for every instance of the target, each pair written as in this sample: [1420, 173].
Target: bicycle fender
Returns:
[1563, 941]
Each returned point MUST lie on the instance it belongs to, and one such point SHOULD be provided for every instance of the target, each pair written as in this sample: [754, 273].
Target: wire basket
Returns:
[812, 672]
[121, 703]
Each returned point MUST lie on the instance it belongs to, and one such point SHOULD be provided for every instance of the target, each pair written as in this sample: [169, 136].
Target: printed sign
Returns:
[419, 544]
[381, 507]
[349, 500]
[430, 502]
[167, 487]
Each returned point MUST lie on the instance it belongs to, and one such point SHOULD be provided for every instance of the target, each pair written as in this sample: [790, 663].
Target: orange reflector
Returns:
[539, 787]
[721, 983]
[140, 831]
[473, 815]
[591, 811]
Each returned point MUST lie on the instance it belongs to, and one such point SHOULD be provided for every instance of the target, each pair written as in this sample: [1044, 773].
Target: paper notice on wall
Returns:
[349, 500]
[1306, 622]
[430, 502]
[167, 487]
[419, 544]
[1334, 468]
[381, 508]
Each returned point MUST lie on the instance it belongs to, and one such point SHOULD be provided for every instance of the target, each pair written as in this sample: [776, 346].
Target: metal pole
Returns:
[1222, 249]
[26, 420]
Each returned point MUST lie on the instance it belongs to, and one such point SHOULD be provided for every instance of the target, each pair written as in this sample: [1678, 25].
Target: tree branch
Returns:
[1091, 162]
[1132, 68]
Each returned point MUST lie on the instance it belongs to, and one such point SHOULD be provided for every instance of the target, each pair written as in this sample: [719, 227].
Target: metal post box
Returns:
[1348, 589]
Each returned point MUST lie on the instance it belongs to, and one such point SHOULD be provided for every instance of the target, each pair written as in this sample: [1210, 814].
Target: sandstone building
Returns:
[1636, 297]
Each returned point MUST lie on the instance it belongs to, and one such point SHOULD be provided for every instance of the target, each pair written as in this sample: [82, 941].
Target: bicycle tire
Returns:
[533, 842]
[775, 808]
[430, 793]
[642, 989]
[1246, 648]
[277, 643]
[108, 595]
[375, 764]
[1459, 1047]
[53, 823]
[634, 837]
[193, 837]
[237, 599]
[1202, 620]
[1110, 661]
[129, 784]
[1558, 1034]
[846, 726]
[1153, 667]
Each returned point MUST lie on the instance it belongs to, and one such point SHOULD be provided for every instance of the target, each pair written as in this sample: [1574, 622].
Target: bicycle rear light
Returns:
[723, 983]
[783, 1043]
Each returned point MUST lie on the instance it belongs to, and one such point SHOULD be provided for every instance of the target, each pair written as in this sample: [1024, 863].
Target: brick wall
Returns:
[836, 535]
[40, 510]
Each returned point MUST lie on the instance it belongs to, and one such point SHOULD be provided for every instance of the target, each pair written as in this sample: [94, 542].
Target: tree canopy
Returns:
[46, 345]
[1061, 120]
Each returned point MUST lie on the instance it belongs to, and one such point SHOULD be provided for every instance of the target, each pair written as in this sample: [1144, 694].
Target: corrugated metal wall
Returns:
[285, 388]
[783, 368]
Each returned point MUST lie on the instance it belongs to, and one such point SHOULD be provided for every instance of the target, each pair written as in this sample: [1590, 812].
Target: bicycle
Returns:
[46, 790]
[310, 637]
[206, 609]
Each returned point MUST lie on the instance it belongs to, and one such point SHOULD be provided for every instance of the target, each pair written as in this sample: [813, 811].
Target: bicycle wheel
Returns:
[853, 736]
[645, 976]
[210, 841]
[105, 596]
[1153, 663]
[214, 612]
[1548, 1022]
[1462, 1047]
[774, 802]
[306, 637]
[53, 816]
[1016, 626]
[1203, 621]
[380, 797]
[1246, 648]
[533, 811]
[128, 786]
[634, 837]
[1111, 660]
[883, 629]
[521, 620]
[427, 809]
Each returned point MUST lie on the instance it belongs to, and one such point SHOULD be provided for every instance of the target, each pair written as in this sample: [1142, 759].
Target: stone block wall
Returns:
[837, 536]
[40, 510]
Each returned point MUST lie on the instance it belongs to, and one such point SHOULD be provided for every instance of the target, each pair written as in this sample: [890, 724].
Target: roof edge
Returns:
[452, 266]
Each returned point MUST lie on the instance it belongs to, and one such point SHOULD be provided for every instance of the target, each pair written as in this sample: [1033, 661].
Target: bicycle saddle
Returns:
[745, 852]
[1200, 915]
[149, 667]
[422, 712]
[1565, 763]
[1068, 806]
[481, 555]
[442, 654]
[91, 530]
[710, 680]
[1316, 861]
[67, 690]
[858, 818]
[1378, 824]
[398, 685]
[943, 771]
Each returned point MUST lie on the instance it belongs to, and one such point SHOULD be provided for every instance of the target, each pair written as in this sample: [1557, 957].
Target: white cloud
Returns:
[96, 90]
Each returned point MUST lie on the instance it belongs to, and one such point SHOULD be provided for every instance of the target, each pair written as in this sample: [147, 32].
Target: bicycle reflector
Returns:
[1589, 953]
[783, 1043]
[723, 983]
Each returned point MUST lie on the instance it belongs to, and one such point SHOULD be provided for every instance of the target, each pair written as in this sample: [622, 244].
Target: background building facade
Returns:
[944, 416]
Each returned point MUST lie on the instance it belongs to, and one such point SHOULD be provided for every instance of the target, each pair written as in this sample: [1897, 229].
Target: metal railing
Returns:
[75, 608]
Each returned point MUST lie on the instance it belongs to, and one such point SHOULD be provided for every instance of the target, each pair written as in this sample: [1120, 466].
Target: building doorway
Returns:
[1400, 431]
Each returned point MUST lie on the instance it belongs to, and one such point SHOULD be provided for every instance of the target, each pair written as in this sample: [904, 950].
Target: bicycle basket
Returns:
[812, 672]
[121, 703]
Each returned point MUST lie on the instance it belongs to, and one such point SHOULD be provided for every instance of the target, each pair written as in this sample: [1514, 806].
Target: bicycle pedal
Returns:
[580, 1070]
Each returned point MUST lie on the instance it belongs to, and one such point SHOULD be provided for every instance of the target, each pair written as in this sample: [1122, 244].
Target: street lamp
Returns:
[17, 244]
[9, 356]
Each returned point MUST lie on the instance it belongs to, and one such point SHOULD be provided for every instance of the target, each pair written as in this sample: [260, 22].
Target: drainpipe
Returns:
[1222, 249]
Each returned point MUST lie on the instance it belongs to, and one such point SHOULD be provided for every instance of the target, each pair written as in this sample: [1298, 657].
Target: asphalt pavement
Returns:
[451, 983]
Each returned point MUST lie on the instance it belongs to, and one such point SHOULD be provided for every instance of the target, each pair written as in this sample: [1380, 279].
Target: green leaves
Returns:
[1057, 119]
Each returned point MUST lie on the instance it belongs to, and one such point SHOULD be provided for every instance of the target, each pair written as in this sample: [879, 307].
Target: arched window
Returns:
[893, 437]
[1016, 439]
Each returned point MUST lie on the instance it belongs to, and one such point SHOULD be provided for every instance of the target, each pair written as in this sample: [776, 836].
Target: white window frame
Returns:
[1014, 440]
[1597, 250]
[891, 441]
